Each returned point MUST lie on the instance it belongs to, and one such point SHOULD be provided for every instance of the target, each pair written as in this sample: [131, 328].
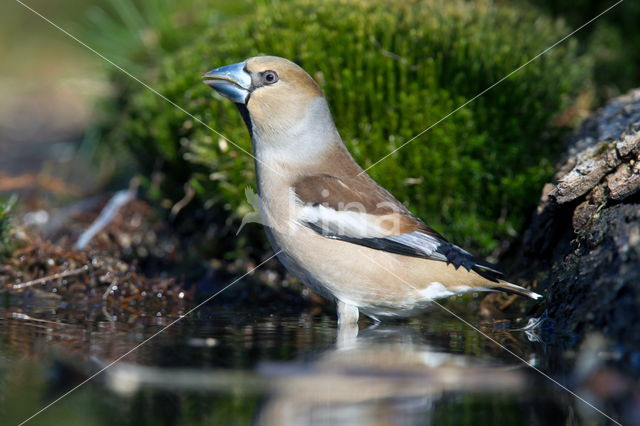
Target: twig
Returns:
[510, 299]
[21, 316]
[189, 193]
[48, 278]
[106, 216]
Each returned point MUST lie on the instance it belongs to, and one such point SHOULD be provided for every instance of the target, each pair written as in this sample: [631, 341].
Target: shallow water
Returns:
[227, 367]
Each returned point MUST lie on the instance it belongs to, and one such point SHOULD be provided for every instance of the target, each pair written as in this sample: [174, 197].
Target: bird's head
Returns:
[278, 98]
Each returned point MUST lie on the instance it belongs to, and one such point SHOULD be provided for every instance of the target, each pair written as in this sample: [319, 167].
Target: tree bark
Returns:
[586, 229]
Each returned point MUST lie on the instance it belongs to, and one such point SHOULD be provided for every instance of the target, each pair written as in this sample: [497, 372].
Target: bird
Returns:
[343, 235]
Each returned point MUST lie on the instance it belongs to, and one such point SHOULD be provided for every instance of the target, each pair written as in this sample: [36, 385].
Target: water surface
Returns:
[242, 366]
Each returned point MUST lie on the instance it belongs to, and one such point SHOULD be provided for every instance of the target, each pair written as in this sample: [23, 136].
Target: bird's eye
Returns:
[269, 77]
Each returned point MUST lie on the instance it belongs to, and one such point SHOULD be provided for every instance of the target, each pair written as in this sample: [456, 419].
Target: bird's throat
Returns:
[246, 117]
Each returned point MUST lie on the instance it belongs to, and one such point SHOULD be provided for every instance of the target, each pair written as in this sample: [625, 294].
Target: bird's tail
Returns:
[515, 289]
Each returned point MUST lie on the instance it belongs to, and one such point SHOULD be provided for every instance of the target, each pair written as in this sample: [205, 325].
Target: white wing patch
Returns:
[353, 224]
[346, 223]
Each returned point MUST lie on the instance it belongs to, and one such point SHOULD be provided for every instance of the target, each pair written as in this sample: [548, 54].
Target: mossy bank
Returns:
[390, 71]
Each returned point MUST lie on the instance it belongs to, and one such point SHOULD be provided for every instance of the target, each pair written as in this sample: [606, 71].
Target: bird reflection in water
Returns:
[385, 375]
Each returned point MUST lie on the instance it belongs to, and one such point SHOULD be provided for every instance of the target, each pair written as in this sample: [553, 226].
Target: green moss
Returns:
[6, 242]
[136, 35]
[602, 148]
[389, 70]
[613, 39]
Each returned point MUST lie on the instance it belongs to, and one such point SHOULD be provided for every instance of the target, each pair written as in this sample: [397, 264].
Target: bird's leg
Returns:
[347, 314]
[347, 335]
[347, 325]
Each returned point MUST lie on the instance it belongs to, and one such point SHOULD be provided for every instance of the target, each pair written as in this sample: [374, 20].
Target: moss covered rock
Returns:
[390, 70]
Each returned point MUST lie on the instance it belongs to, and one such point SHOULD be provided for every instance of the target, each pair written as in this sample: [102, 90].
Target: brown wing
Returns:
[360, 194]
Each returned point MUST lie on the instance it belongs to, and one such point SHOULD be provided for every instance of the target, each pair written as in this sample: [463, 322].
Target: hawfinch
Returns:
[338, 231]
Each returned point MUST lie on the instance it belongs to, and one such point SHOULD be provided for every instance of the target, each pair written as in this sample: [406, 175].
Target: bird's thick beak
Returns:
[231, 81]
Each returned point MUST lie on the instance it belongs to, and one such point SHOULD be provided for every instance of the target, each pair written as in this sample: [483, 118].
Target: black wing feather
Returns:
[450, 253]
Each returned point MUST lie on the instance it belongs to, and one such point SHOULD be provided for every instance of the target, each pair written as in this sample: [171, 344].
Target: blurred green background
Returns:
[390, 69]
